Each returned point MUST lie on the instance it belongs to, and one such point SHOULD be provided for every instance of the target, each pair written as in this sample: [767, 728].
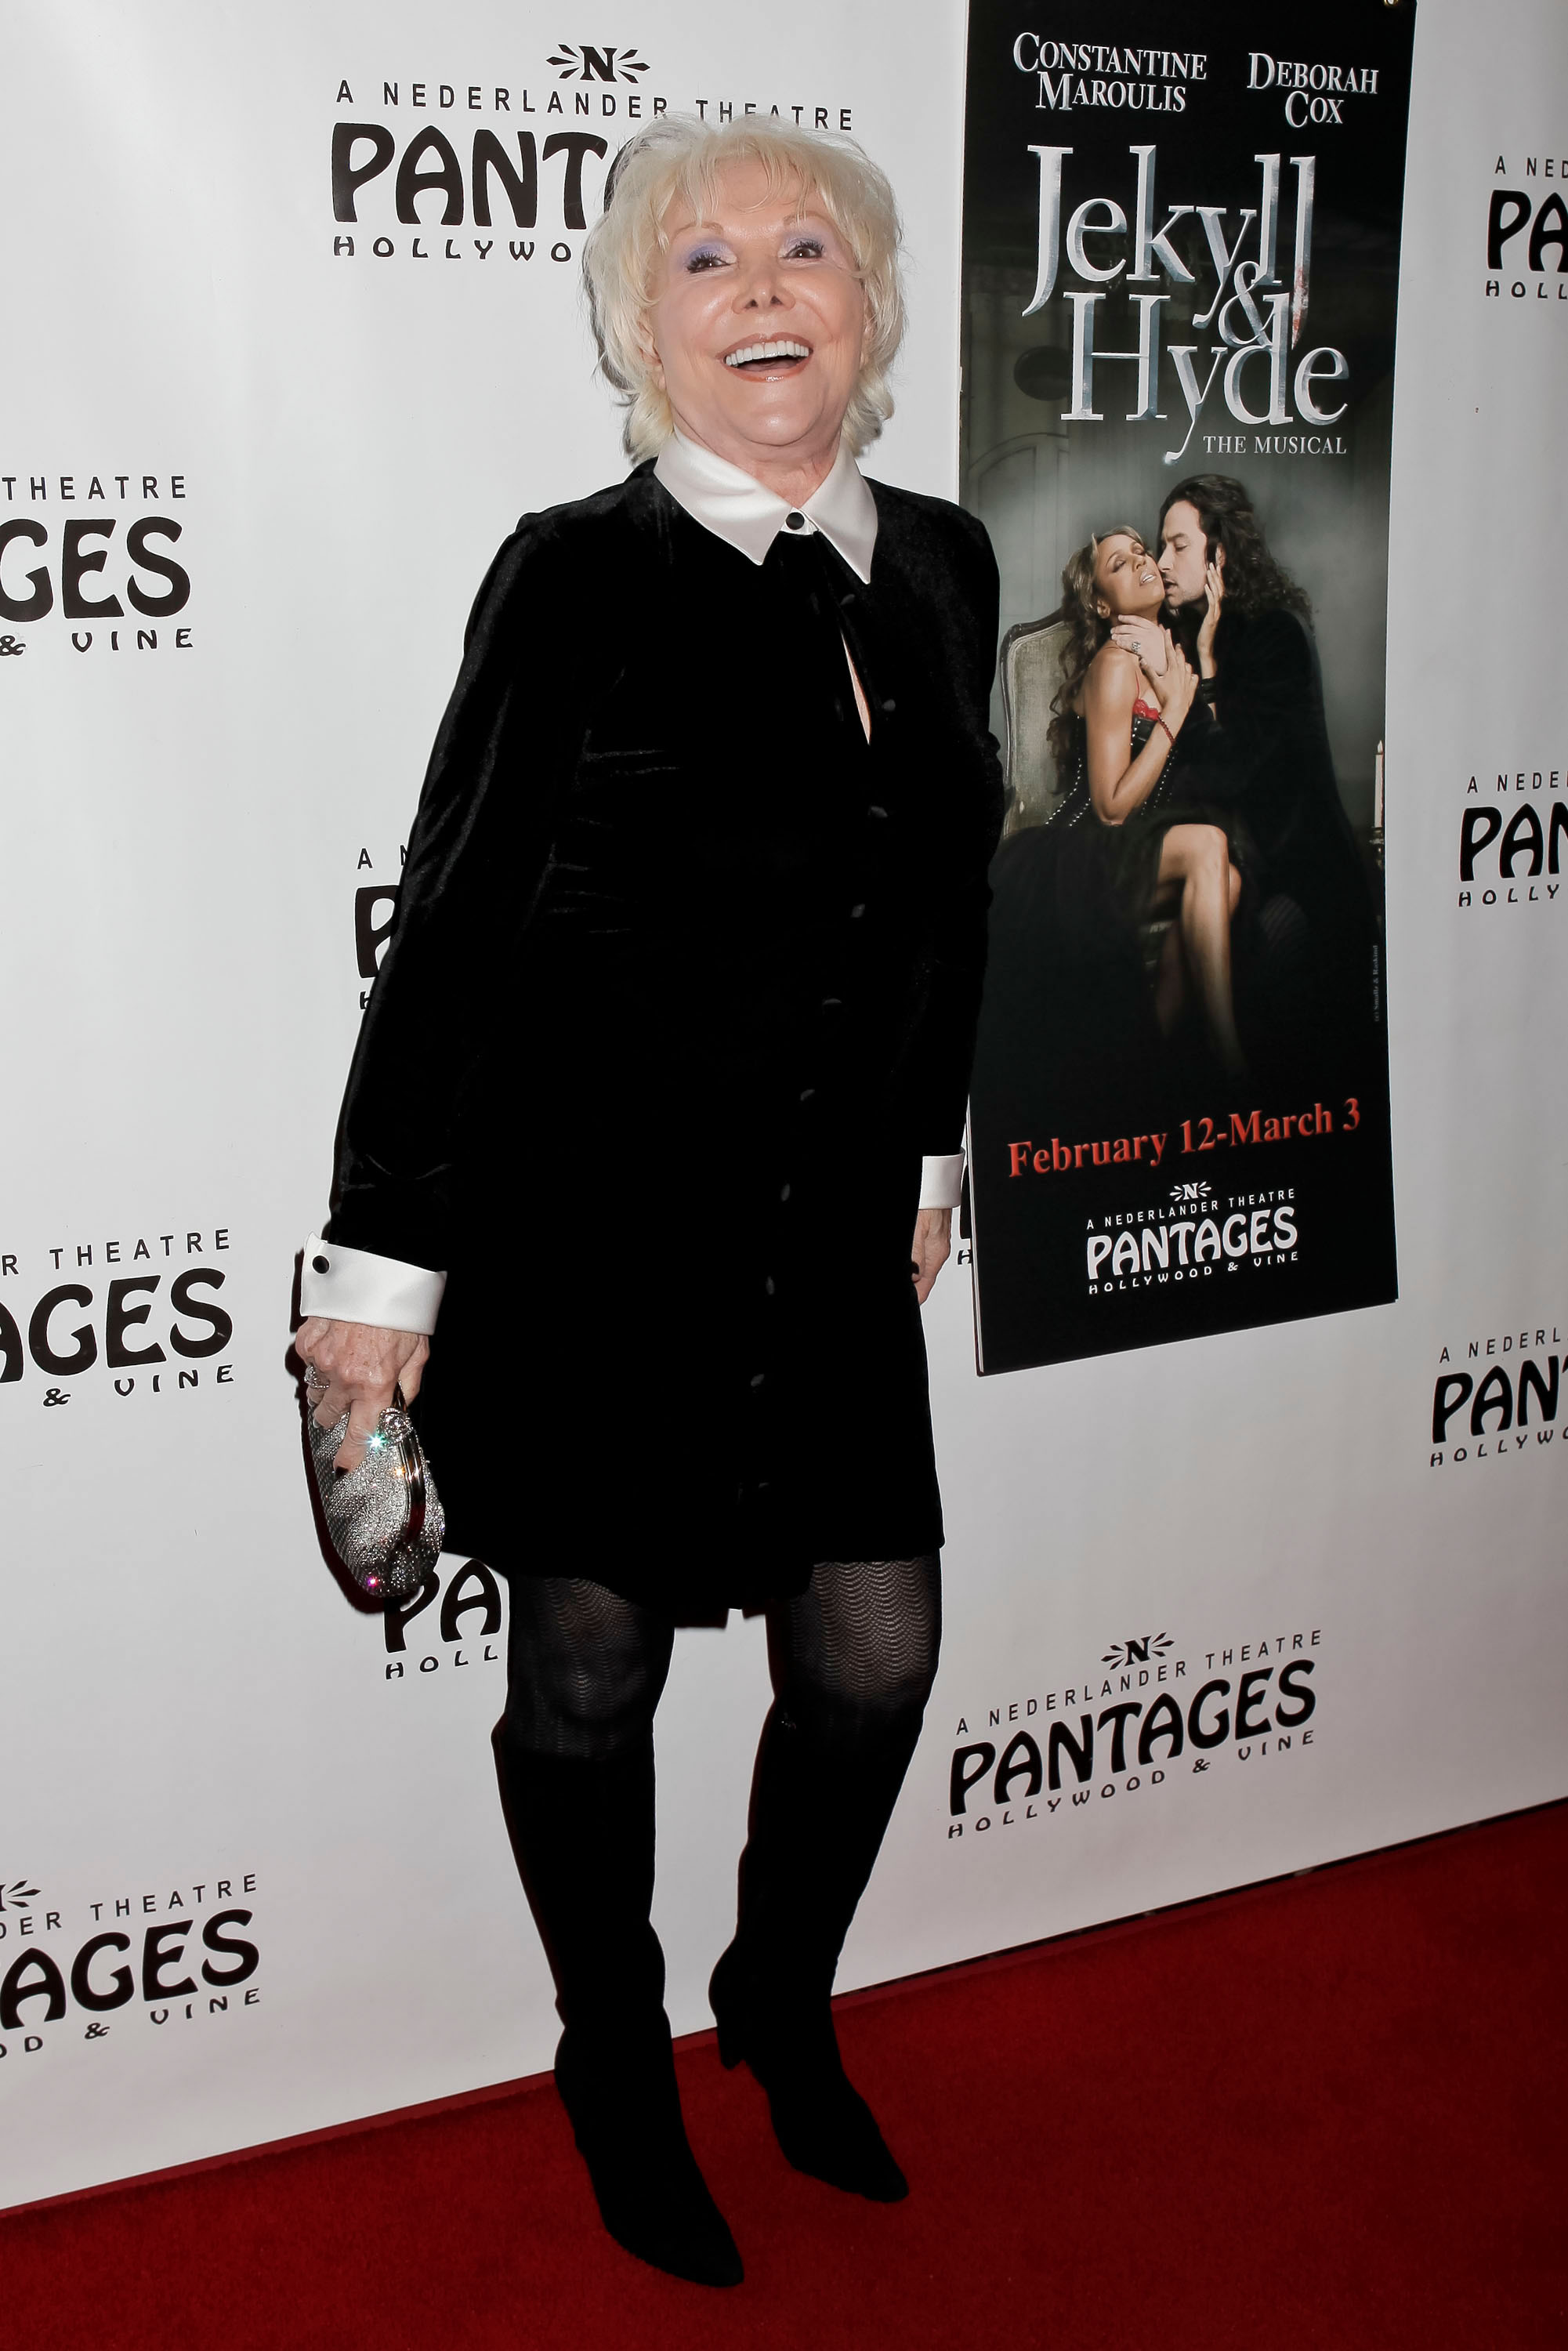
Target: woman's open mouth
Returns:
[769, 357]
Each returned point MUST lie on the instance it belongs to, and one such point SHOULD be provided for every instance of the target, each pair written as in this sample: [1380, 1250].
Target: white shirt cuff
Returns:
[349, 1285]
[942, 1181]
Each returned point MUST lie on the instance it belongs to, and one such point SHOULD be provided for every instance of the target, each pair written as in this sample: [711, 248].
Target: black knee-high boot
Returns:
[816, 1824]
[583, 1835]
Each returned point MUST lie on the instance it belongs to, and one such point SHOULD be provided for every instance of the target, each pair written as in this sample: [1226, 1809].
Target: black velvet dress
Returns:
[684, 987]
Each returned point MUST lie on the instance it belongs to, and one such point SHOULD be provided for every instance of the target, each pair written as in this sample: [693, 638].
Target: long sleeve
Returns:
[1266, 682]
[943, 1051]
[478, 852]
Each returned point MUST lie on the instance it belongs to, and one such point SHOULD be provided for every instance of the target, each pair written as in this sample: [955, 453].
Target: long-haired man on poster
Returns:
[1259, 747]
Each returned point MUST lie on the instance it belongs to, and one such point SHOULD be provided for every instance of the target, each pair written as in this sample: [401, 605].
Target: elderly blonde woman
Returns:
[660, 1099]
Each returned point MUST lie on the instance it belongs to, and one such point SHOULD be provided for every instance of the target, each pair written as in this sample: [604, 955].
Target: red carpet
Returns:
[1323, 2113]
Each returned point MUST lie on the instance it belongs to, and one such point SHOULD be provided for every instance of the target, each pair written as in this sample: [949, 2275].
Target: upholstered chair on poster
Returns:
[1031, 671]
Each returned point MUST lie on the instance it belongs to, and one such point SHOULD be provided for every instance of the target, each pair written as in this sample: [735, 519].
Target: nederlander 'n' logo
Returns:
[587, 64]
[1137, 1651]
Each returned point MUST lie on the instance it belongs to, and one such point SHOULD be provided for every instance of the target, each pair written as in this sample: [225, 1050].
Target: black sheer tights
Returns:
[852, 1659]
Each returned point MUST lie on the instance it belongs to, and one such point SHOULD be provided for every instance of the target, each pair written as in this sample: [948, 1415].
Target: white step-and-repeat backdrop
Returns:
[263, 427]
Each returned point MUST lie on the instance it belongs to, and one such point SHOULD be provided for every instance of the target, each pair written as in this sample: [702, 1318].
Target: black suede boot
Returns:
[816, 1829]
[583, 1836]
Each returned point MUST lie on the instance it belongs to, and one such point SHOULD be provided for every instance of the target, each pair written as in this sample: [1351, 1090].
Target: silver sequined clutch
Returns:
[385, 1518]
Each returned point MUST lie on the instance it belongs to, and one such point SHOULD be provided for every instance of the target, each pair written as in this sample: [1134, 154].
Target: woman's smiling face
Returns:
[1126, 576]
[758, 324]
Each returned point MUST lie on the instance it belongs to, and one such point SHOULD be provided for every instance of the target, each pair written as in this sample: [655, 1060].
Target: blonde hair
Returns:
[678, 158]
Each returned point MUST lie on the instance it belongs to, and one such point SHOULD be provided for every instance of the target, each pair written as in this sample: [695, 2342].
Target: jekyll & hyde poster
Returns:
[1181, 246]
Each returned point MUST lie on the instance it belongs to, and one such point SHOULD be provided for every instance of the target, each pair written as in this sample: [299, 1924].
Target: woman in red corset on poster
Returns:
[692, 922]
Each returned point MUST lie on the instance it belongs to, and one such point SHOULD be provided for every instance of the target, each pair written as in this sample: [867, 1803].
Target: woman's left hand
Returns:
[932, 1246]
[1214, 595]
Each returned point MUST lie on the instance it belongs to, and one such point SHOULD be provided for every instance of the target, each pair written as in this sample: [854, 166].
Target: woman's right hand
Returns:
[1146, 638]
[359, 1365]
[1174, 686]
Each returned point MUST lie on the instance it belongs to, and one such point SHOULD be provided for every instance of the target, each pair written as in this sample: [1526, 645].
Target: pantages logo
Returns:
[375, 918]
[170, 1955]
[90, 556]
[139, 1314]
[1526, 223]
[413, 162]
[1511, 837]
[1198, 1233]
[465, 1629]
[1129, 1726]
[1495, 1399]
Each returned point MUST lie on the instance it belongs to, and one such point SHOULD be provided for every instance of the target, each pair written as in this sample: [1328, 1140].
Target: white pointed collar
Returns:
[749, 518]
